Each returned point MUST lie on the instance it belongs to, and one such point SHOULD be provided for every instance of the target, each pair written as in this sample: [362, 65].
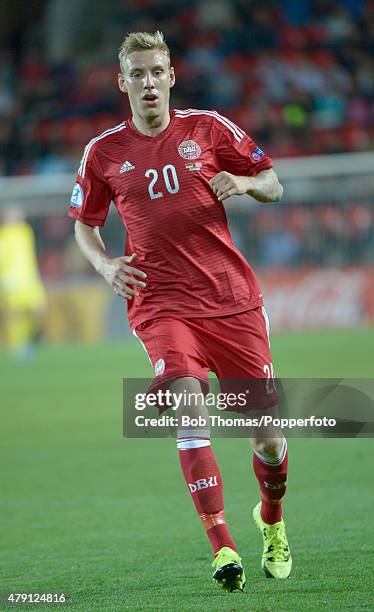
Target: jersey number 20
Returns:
[170, 180]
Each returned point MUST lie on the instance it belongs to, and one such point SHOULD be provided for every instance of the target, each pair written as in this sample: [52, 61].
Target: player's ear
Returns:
[172, 76]
[122, 83]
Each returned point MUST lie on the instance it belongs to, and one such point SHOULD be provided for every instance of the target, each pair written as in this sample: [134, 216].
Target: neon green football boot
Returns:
[276, 556]
[229, 572]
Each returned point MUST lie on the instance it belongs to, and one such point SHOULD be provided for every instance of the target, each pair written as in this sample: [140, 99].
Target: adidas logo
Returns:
[126, 167]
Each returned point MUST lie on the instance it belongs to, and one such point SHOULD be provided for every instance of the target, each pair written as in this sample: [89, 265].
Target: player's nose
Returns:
[149, 80]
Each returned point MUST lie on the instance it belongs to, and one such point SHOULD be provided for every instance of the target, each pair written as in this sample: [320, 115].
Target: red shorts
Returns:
[234, 347]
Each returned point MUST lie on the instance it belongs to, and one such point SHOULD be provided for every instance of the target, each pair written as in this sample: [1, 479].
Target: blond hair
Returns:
[142, 41]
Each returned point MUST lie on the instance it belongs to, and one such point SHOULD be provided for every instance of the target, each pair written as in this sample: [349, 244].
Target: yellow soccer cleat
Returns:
[276, 556]
[229, 572]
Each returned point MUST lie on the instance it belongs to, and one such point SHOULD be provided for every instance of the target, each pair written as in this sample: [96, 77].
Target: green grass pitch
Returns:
[109, 520]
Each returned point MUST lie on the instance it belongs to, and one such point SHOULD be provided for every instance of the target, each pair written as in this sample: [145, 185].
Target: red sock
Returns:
[204, 482]
[272, 478]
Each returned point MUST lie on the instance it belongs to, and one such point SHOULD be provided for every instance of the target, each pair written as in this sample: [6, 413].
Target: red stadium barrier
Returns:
[319, 298]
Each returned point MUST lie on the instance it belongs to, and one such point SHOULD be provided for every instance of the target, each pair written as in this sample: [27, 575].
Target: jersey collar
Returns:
[159, 136]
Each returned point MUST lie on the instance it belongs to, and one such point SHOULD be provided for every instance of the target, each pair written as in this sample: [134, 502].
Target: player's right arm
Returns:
[89, 206]
[117, 271]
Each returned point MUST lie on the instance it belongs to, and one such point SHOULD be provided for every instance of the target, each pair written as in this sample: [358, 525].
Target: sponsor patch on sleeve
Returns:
[257, 154]
[77, 196]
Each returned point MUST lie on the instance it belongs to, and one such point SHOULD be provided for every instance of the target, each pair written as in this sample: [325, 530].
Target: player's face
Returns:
[147, 80]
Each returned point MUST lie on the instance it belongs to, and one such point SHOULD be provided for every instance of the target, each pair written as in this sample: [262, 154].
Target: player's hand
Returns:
[225, 185]
[119, 274]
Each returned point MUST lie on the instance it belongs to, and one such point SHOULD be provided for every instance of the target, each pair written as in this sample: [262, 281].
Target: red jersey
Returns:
[174, 222]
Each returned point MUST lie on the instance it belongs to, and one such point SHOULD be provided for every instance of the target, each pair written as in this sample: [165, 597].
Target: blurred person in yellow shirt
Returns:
[22, 295]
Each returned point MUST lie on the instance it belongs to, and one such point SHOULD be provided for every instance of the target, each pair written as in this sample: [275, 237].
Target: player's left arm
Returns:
[264, 187]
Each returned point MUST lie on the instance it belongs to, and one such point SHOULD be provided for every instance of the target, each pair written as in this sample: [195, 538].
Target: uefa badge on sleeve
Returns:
[257, 155]
[77, 196]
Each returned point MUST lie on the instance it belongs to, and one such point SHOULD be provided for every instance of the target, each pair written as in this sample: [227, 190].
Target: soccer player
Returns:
[193, 300]
[22, 296]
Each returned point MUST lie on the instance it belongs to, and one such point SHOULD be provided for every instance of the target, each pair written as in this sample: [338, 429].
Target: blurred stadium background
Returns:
[83, 510]
[298, 76]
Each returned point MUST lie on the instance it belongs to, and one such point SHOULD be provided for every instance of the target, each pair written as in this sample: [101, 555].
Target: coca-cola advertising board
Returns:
[318, 297]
